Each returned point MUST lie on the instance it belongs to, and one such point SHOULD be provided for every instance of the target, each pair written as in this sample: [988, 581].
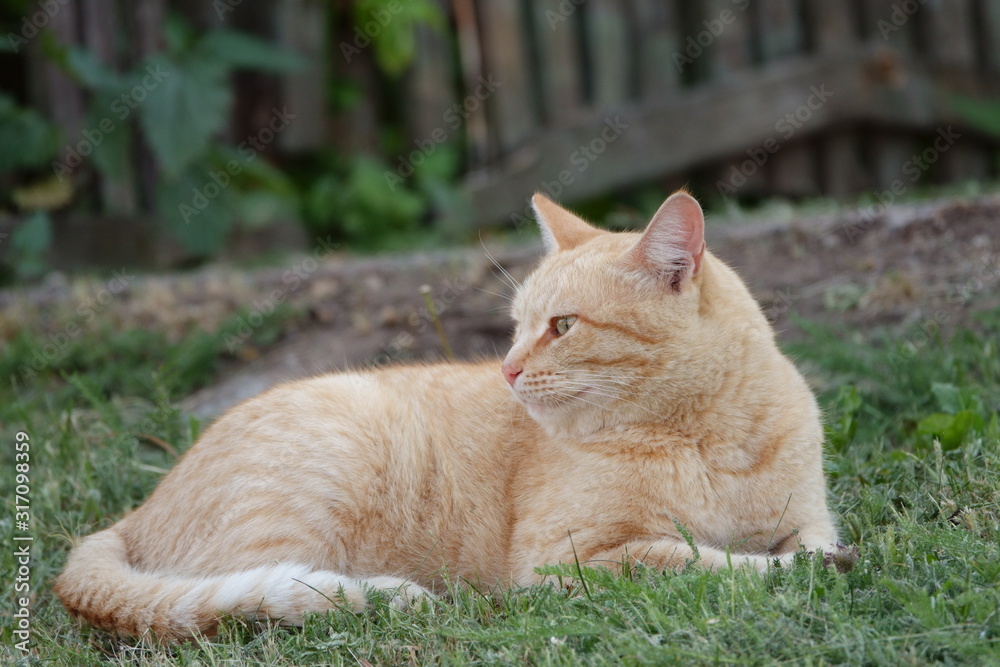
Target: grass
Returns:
[914, 462]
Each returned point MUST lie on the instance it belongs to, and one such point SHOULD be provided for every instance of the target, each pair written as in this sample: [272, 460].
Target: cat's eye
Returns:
[561, 325]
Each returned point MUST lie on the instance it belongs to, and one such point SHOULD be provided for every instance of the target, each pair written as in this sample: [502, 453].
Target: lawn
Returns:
[914, 465]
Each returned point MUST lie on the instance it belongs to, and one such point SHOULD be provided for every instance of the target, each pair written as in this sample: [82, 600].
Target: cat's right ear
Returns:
[561, 230]
[673, 245]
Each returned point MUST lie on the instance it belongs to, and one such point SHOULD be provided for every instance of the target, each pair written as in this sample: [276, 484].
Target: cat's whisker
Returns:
[592, 390]
[506, 297]
[581, 399]
[513, 283]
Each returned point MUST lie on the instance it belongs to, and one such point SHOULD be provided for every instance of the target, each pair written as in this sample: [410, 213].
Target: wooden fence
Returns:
[742, 98]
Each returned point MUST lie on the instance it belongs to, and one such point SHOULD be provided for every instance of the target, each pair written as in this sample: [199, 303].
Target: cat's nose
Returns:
[511, 371]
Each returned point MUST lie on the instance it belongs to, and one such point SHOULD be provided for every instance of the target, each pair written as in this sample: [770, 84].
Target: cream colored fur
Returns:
[665, 403]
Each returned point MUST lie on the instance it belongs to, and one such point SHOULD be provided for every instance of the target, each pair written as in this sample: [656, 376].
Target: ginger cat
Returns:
[644, 391]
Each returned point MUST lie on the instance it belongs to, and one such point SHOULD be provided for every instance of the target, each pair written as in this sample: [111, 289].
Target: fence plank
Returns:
[991, 34]
[792, 170]
[728, 29]
[884, 24]
[946, 30]
[949, 32]
[555, 23]
[506, 60]
[831, 25]
[52, 89]
[660, 45]
[100, 26]
[833, 30]
[608, 45]
[302, 29]
[725, 30]
[429, 86]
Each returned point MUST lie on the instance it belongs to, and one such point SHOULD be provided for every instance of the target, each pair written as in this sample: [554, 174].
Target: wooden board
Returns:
[793, 169]
[608, 45]
[660, 40]
[990, 21]
[919, 103]
[950, 34]
[430, 86]
[556, 33]
[302, 29]
[833, 30]
[724, 31]
[728, 53]
[505, 59]
[100, 27]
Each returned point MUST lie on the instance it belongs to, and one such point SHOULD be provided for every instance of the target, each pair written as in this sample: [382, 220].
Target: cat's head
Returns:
[610, 325]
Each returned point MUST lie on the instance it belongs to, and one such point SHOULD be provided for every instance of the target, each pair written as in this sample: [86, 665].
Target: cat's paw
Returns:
[840, 556]
[405, 594]
[411, 596]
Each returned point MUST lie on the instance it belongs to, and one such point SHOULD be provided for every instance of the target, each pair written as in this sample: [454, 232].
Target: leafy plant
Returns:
[27, 139]
[181, 98]
[29, 243]
[960, 416]
[355, 204]
[391, 27]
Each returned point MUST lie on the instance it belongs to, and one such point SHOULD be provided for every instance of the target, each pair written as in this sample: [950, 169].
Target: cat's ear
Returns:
[561, 230]
[673, 245]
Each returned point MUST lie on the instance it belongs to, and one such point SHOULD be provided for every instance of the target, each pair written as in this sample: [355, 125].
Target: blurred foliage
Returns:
[363, 202]
[29, 243]
[391, 26]
[181, 98]
[177, 102]
[981, 114]
[27, 139]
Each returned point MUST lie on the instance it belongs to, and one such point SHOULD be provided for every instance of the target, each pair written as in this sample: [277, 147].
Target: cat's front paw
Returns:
[410, 596]
[840, 556]
[405, 594]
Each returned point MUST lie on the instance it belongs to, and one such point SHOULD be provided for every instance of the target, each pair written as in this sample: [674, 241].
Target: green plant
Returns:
[181, 99]
[27, 139]
[391, 27]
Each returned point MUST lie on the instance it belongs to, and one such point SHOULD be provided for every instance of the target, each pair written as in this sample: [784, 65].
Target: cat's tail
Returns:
[100, 586]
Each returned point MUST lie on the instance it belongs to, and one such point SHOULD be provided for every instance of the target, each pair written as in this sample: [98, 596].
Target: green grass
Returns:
[914, 462]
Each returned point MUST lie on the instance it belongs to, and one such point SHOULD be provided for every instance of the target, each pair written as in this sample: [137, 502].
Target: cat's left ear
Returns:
[673, 245]
[561, 230]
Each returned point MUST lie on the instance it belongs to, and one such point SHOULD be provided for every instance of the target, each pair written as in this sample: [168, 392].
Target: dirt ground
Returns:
[926, 265]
